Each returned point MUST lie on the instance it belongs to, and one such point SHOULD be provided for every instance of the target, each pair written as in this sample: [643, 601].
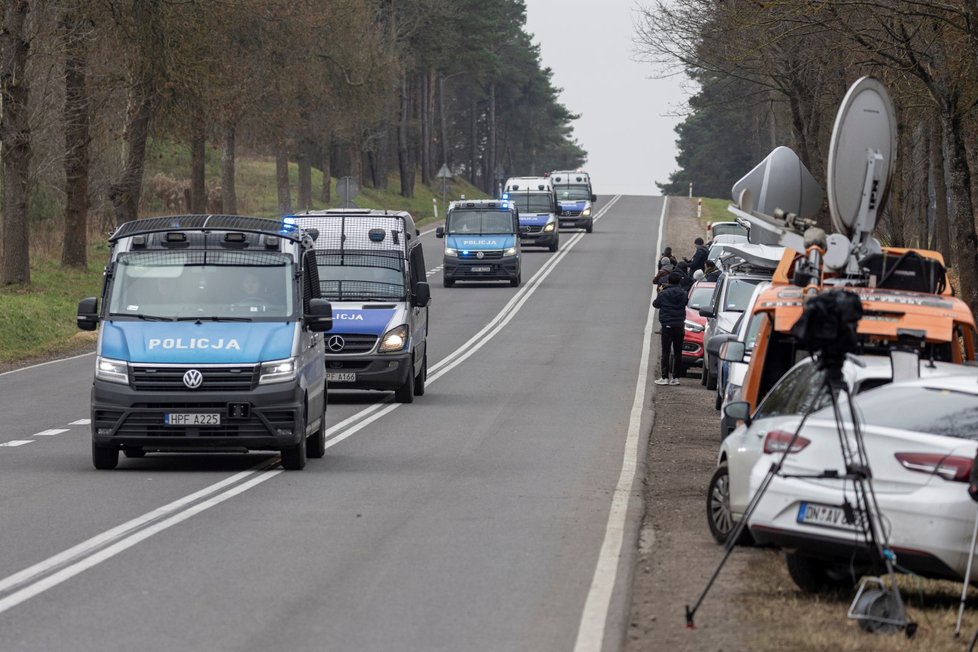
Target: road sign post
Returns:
[444, 174]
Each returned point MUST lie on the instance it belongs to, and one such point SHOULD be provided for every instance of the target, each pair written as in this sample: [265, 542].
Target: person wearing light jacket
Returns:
[671, 302]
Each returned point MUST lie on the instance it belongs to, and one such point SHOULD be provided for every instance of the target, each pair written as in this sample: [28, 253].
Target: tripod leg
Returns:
[967, 578]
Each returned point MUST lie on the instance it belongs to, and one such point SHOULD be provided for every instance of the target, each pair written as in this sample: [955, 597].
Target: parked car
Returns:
[920, 438]
[726, 227]
[799, 391]
[699, 295]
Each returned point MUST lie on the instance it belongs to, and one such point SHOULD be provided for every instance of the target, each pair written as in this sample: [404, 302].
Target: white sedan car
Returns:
[920, 437]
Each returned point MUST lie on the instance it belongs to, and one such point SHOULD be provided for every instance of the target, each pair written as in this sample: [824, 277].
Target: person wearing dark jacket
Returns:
[699, 258]
[667, 255]
[687, 279]
[671, 302]
[712, 272]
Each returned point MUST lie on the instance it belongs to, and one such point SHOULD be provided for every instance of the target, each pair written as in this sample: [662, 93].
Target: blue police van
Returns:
[482, 242]
[534, 199]
[210, 337]
[372, 269]
[575, 199]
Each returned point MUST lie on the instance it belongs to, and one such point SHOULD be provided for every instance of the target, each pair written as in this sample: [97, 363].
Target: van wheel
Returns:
[405, 394]
[706, 365]
[105, 458]
[316, 442]
[294, 456]
[421, 377]
[448, 282]
[718, 514]
[711, 379]
[555, 245]
[589, 228]
[515, 282]
[817, 576]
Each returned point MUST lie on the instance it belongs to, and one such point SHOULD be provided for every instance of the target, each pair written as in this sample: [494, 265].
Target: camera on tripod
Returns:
[827, 327]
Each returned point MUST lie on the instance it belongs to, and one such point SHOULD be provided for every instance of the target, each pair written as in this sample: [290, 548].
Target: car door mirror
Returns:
[319, 319]
[87, 318]
[738, 411]
[732, 351]
[594, 198]
[422, 295]
[440, 232]
[707, 312]
[714, 343]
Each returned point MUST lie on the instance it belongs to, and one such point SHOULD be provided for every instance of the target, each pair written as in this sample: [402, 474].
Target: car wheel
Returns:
[711, 379]
[718, 515]
[105, 458]
[316, 442]
[405, 394]
[448, 282]
[718, 402]
[706, 365]
[422, 376]
[817, 575]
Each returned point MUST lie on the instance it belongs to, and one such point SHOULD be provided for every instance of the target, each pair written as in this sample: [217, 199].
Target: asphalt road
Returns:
[497, 512]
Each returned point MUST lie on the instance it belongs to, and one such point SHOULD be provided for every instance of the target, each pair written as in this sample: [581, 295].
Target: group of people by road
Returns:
[673, 280]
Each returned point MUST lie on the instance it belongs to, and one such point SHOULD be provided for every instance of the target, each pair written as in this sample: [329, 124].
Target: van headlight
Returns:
[586, 212]
[395, 339]
[549, 228]
[112, 371]
[692, 326]
[277, 371]
[510, 252]
[451, 252]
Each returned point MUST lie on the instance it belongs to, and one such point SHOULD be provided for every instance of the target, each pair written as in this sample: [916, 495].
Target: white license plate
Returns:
[191, 419]
[826, 516]
[481, 269]
[341, 377]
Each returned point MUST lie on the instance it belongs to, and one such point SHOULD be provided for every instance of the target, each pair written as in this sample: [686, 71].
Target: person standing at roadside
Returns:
[667, 255]
[671, 302]
[700, 256]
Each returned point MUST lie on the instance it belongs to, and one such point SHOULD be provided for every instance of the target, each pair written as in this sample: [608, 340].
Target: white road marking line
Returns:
[42, 364]
[16, 442]
[48, 433]
[80, 422]
[594, 619]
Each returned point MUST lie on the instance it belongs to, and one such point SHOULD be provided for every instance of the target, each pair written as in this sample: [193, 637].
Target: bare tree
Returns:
[77, 124]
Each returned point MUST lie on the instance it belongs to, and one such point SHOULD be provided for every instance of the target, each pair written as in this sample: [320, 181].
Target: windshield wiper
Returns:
[215, 318]
[141, 316]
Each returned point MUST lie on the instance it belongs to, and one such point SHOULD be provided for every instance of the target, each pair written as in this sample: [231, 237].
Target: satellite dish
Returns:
[780, 181]
[863, 142]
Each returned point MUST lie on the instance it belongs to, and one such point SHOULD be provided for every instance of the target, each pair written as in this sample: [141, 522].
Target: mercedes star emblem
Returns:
[192, 379]
[335, 343]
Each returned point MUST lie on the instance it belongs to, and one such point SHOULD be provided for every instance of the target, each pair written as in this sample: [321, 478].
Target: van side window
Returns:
[419, 273]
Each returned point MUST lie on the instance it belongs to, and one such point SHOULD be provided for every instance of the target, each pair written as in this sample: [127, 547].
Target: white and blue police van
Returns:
[575, 198]
[372, 270]
[210, 337]
[482, 242]
[534, 200]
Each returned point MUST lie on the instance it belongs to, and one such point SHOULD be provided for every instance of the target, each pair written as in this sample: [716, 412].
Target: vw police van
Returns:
[537, 208]
[372, 269]
[575, 198]
[482, 242]
[209, 337]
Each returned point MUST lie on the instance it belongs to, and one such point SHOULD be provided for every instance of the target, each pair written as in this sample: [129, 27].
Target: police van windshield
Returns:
[361, 276]
[202, 284]
[532, 203]
[480, 222]
[573, 192]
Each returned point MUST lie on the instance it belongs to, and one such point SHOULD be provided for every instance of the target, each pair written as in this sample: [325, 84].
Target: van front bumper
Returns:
[539, 238]
[576, 222]
[264, 418]
[386, 372]
[507, 267]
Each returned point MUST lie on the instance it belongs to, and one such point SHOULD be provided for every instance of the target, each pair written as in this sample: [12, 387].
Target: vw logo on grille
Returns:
[479, 254]
[193, 378]
[335, 343]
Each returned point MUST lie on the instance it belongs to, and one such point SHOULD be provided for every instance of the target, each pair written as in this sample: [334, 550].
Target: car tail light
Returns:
[949, 467]
[777, 442]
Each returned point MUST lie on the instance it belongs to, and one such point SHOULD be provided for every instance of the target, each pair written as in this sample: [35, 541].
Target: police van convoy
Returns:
[537, 207]
[210, 338]
[372, 269]
[482, 242]
[575, 198]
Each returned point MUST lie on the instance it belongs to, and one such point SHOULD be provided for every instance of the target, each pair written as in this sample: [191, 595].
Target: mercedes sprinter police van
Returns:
[482, 242]
[209, 337]
[534, 200]
[372, 269]
[575, 198]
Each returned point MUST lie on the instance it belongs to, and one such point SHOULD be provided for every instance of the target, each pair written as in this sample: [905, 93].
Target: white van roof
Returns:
[569, 177]
[528, 184]
[359, 229]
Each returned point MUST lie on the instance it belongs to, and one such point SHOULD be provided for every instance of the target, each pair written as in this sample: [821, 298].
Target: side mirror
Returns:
[732, 351]
[422, 295]
[87, 318]
[714, 343]
[594, 198]
[319, 319]
[440, 232]
[738, 411]
[707, 312]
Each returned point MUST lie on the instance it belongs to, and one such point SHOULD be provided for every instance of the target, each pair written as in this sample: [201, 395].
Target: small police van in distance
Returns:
[210, 338]
[575, 198]
[482, 242]
[371, 267]
[534, 201]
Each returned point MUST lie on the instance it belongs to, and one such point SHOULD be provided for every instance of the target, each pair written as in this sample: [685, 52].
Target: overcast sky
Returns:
[627, 119]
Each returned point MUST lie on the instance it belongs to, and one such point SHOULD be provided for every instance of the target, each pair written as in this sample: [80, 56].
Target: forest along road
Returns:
[488, 515]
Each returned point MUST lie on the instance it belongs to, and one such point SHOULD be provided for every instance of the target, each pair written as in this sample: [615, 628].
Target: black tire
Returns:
[719, 400]
[711, 379]
[129, 451]
[405, 394]
[105, 458]
[515, 282]
[818, 576]
[718, 515]
[555, 245]
[448, 282]
[422, 376]
[589, 228]
[725, 428]
[706, 365]
[294, 456]
[316, 442]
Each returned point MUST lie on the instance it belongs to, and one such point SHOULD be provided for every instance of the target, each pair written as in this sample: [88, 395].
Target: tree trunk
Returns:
[942, 226]
[491, 156]
[443, 121]
[964, 240]
[74, 252]
[427, 123]
[305, 177]
[15, 140]
[473, 141]
[404, 162]
[282, 178]
[198, 147]
[229, 196]
[324, 194]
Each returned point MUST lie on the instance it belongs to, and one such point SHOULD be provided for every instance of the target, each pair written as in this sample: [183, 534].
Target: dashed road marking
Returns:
[16, 442]
[48, 433]
[80, 422]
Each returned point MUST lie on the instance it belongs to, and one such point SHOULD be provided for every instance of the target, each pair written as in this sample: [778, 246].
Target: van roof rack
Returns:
[245, 224]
